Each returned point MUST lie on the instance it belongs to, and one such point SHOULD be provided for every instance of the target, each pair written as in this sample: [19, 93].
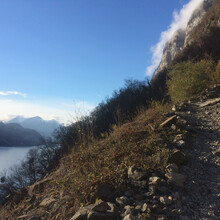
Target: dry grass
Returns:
[107, 160]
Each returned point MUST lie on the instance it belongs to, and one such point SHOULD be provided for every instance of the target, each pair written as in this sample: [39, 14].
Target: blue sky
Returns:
[57, 56]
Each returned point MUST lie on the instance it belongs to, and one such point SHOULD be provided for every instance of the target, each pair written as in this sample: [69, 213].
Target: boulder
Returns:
[105, 192]
[100, 206]
[178, 158]
[176, 179]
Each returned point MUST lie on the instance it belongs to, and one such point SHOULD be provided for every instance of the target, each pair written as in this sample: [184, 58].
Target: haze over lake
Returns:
[12, 155]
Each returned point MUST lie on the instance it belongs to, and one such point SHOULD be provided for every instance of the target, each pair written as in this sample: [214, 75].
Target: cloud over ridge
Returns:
[180, 20]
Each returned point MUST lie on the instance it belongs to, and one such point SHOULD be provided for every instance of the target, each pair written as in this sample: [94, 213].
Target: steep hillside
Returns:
[200, 40]
[182, 37]
[134, 157]
[161, 165]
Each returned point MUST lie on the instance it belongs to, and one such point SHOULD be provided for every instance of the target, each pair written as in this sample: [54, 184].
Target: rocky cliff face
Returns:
[182, 38]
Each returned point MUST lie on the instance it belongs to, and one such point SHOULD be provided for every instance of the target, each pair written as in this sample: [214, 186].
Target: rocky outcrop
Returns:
[172, 47]
[182, 38]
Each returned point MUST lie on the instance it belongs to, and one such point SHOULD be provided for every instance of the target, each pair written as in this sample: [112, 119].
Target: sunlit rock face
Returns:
[195, 20]
[181, 38]
[172, 47]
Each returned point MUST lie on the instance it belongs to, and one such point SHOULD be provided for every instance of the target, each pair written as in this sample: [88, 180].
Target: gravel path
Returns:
[201, 197]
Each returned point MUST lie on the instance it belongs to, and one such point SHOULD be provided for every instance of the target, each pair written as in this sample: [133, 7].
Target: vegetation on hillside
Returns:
[205, 37]
[122, 131]
[189, 79]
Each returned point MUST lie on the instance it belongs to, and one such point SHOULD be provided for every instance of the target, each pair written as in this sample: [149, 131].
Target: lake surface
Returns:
[12, 155]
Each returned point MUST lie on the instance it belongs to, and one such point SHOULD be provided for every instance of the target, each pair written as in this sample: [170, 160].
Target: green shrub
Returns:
[188, 79]
[216, 74]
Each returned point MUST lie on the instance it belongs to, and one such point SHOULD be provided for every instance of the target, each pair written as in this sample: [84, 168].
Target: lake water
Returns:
[12, 155]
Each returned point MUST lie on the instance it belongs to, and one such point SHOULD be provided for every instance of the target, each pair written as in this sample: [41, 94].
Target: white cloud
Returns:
[180, 20]
[64, 112]
[7, 93]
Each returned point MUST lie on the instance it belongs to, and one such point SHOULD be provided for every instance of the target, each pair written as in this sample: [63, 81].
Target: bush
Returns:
[216, 74]
[121, 107]
[188, 79]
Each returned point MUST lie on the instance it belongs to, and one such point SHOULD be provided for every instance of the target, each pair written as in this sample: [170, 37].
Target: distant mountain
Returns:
[45, 128]
[13, 134]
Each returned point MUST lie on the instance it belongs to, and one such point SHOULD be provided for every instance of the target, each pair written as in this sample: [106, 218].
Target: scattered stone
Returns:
[181, 144]
[81, 214]
[122, 201]
[100, 206]
[165, 200]
[179, 137]
[176, 178]
[154, 180]
[175, 213]
[156, 209]
[113, 207]
[173, 127]
[172, 168]
[145, 208]
[129, 217]
[128, 210]
[181, 123]
[178, 158]
[138, 208]
[136, 173]
[174, 109]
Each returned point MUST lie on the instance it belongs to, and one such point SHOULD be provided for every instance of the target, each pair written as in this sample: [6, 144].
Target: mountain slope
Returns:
[13, 134]
[182, 37]
[45, 128]
[162, 164]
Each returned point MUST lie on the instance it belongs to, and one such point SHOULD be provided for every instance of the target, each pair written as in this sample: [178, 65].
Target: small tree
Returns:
[188, 79]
